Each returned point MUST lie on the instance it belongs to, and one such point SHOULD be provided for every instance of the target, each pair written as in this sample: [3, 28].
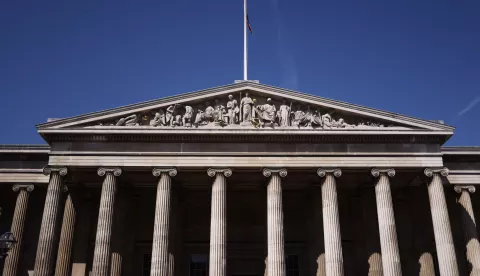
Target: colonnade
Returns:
[103, 264]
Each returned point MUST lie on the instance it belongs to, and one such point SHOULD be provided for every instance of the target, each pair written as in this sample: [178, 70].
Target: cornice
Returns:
[460, 150]
[247, 136]
[24, 148]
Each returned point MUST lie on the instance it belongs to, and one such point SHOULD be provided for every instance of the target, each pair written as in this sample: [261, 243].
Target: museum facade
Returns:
[242, 179]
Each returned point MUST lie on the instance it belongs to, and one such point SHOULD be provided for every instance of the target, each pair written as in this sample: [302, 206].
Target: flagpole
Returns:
[245, 50]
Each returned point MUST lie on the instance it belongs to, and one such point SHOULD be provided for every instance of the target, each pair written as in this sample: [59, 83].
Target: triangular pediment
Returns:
[230, 108]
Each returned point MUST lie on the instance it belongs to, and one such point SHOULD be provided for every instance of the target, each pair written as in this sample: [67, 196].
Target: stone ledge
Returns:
[246, 161]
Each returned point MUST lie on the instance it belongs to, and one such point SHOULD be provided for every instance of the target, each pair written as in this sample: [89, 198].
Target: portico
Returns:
[161, 189]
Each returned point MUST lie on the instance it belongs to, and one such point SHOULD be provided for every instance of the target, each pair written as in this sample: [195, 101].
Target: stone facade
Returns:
[253, 184]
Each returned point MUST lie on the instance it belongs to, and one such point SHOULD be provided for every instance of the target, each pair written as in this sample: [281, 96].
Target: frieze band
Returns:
[246, 112]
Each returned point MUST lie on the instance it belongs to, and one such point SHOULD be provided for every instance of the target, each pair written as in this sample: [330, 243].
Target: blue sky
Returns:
[65, 58]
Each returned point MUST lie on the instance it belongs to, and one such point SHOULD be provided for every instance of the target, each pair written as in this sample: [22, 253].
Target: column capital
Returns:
[158, 171]
[460, 188]
[115, 171]
[27, 187]
[213, 172]
[323, 172]
[429, 172]
[376, 172]
[281, 172]
[47, 170]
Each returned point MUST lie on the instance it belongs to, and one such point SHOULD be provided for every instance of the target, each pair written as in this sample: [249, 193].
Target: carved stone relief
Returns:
[254, 112]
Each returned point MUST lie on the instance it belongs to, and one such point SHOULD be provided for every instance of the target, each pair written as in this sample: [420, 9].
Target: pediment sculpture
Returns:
[254, 112]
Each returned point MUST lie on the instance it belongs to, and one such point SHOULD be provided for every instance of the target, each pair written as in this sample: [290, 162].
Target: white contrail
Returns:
[287, 61]
[469, 106]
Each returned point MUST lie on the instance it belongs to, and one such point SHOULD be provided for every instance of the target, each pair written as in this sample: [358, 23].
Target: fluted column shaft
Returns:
[44, 260]
[276, 240]
[10, 267]
[469, 228]
[101, 255]
[447, 260]
[116, 266]
[160, 255]
[386, 223]
[218, 222]
[331, 223]
[66, 239]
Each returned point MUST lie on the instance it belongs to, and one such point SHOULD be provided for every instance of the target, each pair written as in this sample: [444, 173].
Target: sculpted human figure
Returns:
[176, 116]
[219, 112]
[266, 112]
[209, 112]
[200, 117]
[342, 124]
[327, 121]
[159, 119]
[284, 114]
[131, 120]
[313, 118]
[246, 105]
[169, 116]
[232, 110]
[187, 117]
[299, 117]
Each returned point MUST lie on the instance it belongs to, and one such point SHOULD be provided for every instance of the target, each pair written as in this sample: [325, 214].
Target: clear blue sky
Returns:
[65, 58]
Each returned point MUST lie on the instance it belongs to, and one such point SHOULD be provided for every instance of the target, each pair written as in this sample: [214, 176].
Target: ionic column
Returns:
[11, 261]
[66, 238]
[276, 241]
[218, 222]
[160, 254]
[386, 223]
[469, 227]
[44, 260]
[331, 222]
[101, 255]
[447, 260]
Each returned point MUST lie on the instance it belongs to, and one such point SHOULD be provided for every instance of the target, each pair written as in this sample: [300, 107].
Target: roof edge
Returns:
[247, 85]
[27, 148]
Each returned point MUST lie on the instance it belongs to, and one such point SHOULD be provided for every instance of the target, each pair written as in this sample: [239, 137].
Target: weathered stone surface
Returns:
[447, 260]
[64, 253]
[12, 260]
[386, 223]
[472, 245]
[160, 255]
[44, 260]
[331, 222]
[218, 222]
[276, 240]
[101, 256]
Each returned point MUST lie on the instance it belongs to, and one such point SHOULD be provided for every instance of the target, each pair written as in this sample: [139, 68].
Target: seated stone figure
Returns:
[266, 113]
